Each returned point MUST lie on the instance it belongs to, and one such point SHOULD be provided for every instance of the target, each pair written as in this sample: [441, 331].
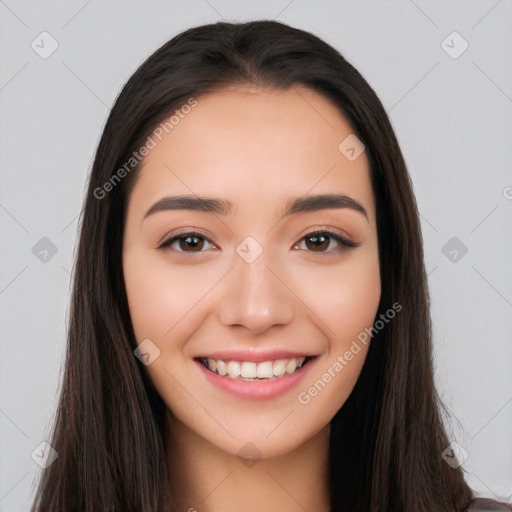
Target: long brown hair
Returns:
[387, 439]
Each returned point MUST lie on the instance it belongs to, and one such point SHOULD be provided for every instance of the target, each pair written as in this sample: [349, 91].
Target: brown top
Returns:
[488, 505]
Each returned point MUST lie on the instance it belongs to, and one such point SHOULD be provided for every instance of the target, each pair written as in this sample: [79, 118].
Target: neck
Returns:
[206, 478]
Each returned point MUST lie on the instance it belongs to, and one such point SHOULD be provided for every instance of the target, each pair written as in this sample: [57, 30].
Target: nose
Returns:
[255, 296]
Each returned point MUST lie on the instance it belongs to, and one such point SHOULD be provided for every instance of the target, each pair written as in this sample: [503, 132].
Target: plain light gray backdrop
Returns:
[449, 105]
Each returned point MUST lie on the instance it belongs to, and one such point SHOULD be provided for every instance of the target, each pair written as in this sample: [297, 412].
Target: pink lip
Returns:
[252, 355]
[255, 390]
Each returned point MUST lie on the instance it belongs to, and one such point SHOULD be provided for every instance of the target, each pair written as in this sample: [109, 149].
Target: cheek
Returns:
[348, 314]
[354, 303]
[160, 299]
[344, 298]
[346, 303]
[148, 297]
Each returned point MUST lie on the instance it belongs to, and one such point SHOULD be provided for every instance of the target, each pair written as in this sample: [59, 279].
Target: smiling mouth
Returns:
[250, 371]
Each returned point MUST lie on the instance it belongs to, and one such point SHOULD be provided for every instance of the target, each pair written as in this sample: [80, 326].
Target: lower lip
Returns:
[256, 390]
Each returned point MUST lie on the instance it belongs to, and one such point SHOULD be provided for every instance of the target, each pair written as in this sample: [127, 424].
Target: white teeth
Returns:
[233, 369]
[221, 367]
[279, 368]
[264, 370]
[291, 366]
[250, 370]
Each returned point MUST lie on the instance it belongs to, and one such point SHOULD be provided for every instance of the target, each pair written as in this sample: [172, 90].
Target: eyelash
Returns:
[344, 243]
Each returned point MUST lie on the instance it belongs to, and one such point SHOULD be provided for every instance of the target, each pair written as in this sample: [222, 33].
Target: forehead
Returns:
[245, 142]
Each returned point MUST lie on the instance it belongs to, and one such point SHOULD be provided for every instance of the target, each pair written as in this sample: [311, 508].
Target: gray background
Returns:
[452, 118]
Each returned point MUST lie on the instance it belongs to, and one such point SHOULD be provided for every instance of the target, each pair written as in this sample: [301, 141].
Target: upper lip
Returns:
[253, 355]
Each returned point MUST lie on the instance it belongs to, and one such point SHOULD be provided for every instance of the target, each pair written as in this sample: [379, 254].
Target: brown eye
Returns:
[317, 242]
[194, 242]
[187, 242]
[320, 241]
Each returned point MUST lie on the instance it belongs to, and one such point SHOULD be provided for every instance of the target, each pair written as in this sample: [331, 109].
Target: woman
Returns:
[250, 326]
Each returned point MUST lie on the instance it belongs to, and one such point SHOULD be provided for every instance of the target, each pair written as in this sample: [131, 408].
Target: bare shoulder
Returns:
[488, 505]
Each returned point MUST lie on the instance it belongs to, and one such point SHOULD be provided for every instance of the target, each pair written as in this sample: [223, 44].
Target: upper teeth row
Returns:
[250, 369]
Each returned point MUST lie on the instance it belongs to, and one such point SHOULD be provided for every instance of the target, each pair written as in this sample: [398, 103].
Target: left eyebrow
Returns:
[321, 202]
[223, 207]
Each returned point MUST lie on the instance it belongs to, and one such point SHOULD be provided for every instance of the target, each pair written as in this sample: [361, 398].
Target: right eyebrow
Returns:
[203, 204]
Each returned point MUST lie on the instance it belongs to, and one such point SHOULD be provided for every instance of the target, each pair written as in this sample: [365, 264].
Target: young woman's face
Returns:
[252, 289]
